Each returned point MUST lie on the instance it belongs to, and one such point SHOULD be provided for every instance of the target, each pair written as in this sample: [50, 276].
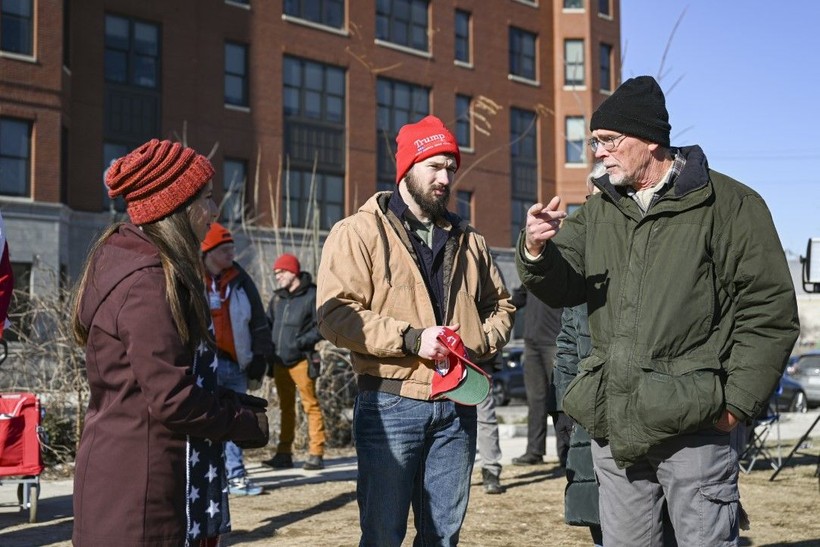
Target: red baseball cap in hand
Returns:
[464, 382]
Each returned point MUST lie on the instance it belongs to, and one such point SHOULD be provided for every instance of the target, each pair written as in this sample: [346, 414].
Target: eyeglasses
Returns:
[609, 143]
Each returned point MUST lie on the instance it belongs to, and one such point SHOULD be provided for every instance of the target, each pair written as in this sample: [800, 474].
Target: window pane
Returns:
[575, 140]
[116, 32]
[13, 177]
[236, 81]
[606, 70]
[314, 76]
[290, 100]
[17, 7]
[235, 58]
[463, 121]
[335, 81]
[145, 71]
[16, 33]
[146, 39]
[462, 36]
[15, 156]
[14, 138]
[325, 12]
[522, 53]
[403, 22]
[573, 4]
[234, 90]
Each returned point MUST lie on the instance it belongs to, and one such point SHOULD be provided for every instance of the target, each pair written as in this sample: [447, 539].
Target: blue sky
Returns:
[742, 80]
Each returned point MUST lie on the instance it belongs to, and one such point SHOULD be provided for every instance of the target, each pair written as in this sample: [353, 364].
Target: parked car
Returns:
[806, 370]
[508, 379]
[790, 396]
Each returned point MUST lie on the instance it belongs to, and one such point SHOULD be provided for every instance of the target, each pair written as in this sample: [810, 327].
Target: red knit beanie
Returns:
[418, 141]
[287, 262]
[216, 236]
[157, 178]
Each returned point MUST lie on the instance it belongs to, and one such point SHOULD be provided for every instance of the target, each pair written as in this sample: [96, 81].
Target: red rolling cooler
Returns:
[21, 460]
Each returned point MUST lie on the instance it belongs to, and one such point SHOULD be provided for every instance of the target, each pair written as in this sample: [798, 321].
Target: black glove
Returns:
[258, 406]
[262, 439]
[252, 401]
[256, 368]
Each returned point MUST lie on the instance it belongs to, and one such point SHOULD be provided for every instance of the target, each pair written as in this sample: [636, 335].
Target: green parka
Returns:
[691, 307]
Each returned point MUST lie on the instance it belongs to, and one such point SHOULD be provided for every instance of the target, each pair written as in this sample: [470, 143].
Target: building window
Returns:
[397, 104]
[239, 2]
[131, 52]
[17, 26]
[15, 157]
[573, 62]
[523, 167]
[464, 205]
[604, 8]
[462, 30]
[330, 13]
[313, 200]
[606, 67]
[574, 4]
[234, 177]
[575, 150]
[403, 22]
[111, 153]
[522, 53]
[236, 74]
[464, 122]
[314, 117]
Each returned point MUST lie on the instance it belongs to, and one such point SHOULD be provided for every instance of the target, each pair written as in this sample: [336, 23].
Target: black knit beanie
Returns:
[636, 108]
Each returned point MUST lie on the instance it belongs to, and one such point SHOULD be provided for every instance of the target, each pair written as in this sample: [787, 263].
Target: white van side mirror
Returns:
[811, 266]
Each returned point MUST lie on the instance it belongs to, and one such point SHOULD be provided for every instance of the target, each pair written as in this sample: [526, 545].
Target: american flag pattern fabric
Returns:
[207, 491]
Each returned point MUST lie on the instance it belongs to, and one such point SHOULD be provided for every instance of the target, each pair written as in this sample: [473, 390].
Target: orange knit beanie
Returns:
[157, 178]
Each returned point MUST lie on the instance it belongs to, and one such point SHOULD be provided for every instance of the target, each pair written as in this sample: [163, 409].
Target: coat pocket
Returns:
[584, 400]
[671, 402]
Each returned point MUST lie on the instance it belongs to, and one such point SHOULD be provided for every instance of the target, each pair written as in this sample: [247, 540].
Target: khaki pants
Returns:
[287, 379]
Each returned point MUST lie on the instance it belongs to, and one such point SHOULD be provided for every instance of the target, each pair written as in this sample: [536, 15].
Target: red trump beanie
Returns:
[418, 141]
[216, 236]
[287, 262]
[157, 178]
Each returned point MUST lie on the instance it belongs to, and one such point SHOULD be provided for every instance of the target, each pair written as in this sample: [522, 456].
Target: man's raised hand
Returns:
[542, 225]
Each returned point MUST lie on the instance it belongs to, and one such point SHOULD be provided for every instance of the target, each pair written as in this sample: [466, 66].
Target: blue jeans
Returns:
[412, 452]
[230, 376]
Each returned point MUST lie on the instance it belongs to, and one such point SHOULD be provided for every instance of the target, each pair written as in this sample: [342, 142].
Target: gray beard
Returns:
[435, 208]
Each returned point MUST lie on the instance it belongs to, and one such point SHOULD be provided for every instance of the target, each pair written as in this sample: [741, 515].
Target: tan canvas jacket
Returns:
[370, 290]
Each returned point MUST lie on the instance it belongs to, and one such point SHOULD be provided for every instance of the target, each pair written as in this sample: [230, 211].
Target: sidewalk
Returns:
[55, 495]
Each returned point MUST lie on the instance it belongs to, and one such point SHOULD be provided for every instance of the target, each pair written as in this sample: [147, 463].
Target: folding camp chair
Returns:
[757, 448]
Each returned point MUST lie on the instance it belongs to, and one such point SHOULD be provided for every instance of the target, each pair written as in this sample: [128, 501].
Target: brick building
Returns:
[292, 99]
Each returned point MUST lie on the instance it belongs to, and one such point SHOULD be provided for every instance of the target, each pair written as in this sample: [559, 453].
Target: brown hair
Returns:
[178, 248]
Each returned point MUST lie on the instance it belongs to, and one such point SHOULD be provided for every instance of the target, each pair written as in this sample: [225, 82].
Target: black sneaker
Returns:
[280, 461]
[528, 459]
[492, 484]
[314, 463]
